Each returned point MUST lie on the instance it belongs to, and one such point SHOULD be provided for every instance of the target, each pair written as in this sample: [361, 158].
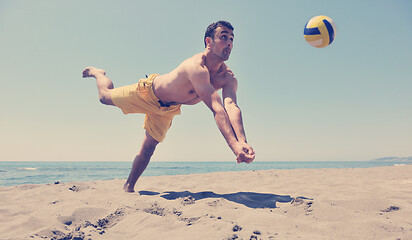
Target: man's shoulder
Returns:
[195, 64]
[197, 60]
[226, 73]
[225, 69]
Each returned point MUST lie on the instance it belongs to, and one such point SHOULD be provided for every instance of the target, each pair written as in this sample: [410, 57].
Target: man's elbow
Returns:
[231, 106]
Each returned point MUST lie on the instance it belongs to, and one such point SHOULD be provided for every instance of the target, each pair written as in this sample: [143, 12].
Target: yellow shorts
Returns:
[140, 98]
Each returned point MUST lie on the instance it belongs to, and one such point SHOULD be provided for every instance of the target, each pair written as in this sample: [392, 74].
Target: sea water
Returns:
[17, 173]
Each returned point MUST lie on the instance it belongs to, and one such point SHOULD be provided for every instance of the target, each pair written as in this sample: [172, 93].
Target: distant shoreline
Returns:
[394, 159]
[18, 173]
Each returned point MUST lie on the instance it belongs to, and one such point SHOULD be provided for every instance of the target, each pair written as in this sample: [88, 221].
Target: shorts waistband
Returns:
[146, 85]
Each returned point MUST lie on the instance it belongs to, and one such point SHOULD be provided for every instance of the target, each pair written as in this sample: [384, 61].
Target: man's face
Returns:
[222, 44]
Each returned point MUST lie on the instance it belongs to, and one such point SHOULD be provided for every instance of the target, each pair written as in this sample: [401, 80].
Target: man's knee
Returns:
[149, 145]
[105, 97]
[148, 151]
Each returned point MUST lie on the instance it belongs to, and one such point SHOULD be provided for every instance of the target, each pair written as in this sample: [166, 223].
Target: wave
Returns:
[397, 165]
[28, 168]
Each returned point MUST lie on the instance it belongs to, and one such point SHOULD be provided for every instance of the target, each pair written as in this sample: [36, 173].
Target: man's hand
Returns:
[244, 153]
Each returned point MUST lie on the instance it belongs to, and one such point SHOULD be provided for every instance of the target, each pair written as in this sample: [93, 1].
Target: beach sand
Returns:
[368, 203]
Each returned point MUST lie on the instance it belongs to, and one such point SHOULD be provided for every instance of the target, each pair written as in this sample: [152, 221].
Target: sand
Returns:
[369, 203]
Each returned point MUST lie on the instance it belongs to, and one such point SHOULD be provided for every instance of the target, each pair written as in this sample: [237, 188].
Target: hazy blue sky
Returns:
[349, 101]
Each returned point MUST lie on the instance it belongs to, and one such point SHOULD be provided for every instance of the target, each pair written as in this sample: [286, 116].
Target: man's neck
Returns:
[212, 62]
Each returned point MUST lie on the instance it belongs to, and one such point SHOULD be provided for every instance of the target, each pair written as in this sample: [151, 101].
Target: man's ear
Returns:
[209, 41]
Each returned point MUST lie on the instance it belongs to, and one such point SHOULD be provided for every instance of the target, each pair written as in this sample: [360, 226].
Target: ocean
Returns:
[17, 173]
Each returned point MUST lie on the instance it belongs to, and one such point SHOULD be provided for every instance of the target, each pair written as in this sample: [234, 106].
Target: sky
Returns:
[350, 101]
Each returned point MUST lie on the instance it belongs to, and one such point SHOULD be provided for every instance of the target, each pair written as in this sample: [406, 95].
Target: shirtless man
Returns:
[196, 79]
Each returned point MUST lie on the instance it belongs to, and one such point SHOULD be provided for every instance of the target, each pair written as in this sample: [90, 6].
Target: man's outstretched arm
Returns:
[205, 90]
[235, 114]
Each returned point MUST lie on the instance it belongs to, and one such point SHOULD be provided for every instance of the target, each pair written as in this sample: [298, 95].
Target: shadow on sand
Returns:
[249, 199]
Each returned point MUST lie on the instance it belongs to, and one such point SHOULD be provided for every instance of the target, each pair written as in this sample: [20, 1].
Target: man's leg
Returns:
[140, 162]
[104, 84]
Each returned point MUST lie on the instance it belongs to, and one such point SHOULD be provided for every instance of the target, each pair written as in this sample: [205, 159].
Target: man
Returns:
[160, 97]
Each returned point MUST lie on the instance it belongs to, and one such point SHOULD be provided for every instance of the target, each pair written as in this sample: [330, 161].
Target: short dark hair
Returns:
[210, 31]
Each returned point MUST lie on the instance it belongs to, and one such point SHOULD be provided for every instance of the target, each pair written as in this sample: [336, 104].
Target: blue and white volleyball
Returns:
[320, 31]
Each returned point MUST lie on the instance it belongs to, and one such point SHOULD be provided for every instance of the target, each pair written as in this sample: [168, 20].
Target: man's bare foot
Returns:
[127, 188]
[92, 72]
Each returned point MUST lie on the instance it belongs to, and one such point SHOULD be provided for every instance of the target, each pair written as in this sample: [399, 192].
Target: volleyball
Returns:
[320, 31]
